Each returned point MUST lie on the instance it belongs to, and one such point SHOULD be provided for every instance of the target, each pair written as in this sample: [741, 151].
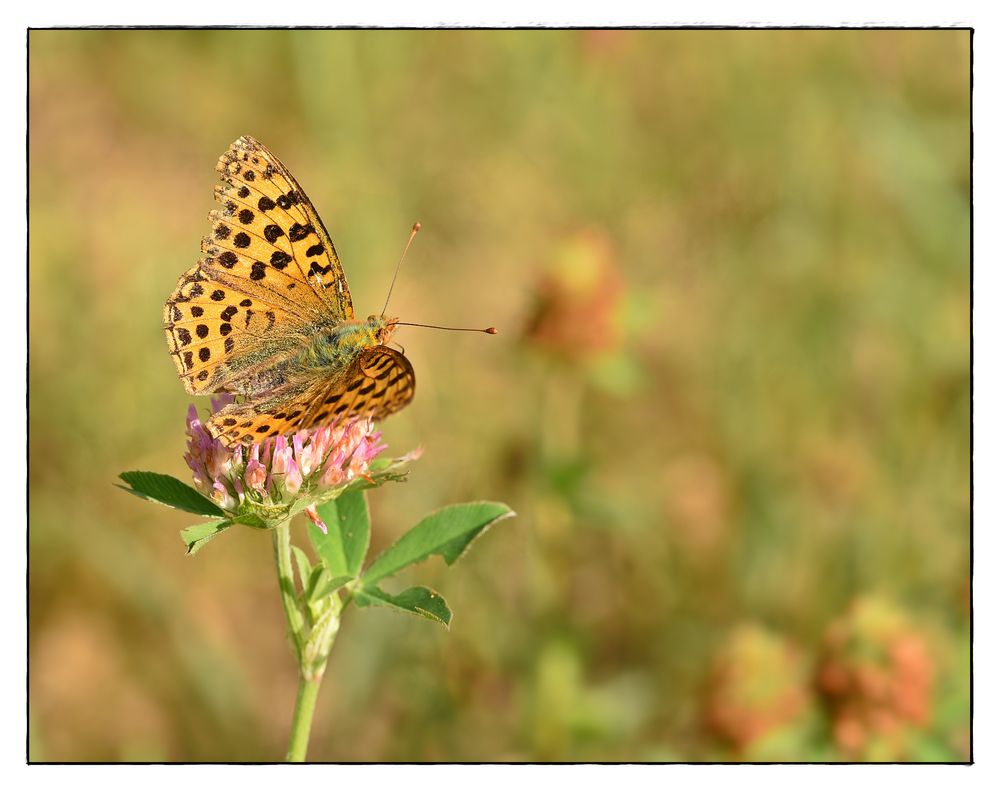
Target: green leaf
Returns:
[344, 546]
[416, 601]
[447, 532]
[196, 536]
[303, 565]
[169, 491]
[308, 591]
[355, 528]
[328, 545]
[329, 586]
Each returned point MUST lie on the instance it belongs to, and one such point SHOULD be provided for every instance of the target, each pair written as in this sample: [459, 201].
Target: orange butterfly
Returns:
[267, 315]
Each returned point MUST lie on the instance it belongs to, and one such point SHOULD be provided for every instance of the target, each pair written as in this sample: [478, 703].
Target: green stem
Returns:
[282, 539]
[305, 704]
[312, 644]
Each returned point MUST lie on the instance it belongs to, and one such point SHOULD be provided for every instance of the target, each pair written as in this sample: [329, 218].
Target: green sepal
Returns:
[167, 490]
[446, 532]
[342, 548]
[196, 536]
[419, 600]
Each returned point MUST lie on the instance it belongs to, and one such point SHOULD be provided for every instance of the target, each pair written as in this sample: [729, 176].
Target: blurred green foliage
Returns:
[779, 425]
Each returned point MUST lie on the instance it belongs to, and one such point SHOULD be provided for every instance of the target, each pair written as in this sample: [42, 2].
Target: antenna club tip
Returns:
[416, 227]
[490, 330]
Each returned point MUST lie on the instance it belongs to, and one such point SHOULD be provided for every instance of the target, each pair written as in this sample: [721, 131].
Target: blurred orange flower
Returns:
[877, 675]
[758, 686]
[575, 316]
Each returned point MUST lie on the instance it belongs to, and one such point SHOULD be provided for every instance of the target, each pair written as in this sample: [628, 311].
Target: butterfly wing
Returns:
[377, 382]
[269, 280]
[262, 200]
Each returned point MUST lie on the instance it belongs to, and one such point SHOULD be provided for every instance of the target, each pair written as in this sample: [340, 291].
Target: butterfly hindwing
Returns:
[279, 412]
[378, 382]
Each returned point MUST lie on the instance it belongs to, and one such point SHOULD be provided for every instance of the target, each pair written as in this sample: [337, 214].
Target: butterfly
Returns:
[266, 314]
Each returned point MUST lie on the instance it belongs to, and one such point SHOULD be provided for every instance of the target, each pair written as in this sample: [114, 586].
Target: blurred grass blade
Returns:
[343, 547]
[416, 601]
[169, 491]
[196, 536]
[447, 532]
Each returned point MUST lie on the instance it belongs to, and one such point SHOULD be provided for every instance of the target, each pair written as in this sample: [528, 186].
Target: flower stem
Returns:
[282, 539]
[305, 703]
[311, 638]
[309, 679]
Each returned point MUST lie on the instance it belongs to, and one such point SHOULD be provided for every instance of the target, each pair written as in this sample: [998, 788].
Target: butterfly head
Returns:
[381, 328]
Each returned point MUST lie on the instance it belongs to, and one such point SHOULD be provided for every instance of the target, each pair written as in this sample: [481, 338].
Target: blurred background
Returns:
[730, 400]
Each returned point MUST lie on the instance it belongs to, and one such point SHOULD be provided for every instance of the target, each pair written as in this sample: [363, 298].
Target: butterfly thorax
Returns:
[337, 347]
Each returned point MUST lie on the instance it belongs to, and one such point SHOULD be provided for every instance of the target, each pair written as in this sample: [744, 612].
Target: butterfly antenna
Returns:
[413, 232]
[487, 330]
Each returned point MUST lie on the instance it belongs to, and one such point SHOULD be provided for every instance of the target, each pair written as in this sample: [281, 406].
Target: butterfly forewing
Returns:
[268, 220]
[218, 331]
[270, 276]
